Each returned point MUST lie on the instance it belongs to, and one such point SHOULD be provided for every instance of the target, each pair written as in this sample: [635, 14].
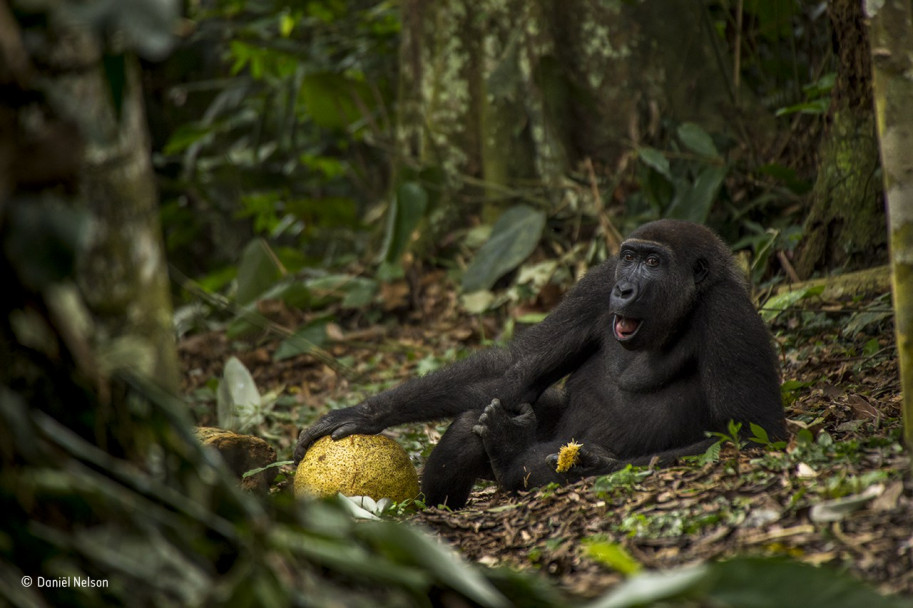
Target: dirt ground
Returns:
[844, 499]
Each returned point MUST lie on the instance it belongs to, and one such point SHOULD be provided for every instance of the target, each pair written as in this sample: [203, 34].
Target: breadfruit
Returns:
[357, 465]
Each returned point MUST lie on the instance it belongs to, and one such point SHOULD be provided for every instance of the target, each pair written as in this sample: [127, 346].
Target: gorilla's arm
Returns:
[738, 366]
[536, 466]
[535, 360]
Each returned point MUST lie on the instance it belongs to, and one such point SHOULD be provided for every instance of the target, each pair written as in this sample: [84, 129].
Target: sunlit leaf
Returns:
[614, 556]
[777, 304]
[238, 403]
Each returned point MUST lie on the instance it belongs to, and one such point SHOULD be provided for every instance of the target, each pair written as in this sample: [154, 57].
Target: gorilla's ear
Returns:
[701, 267]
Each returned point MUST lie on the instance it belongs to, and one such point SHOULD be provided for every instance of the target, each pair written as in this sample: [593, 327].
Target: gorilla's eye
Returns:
[653, 260]
[627, 256]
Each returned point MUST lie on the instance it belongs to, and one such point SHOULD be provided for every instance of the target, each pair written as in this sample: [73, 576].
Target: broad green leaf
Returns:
[614, 556]
[694, 203]
[697, 140]
[777, 304]
[650, 588]
[407, 211]
[477, 302]
[330, 99]
[238, 400]
[514, 236]
[359, 293]
[258, 270]
[657, 160]
[747, 583]
[769, 583]
[407, 545]
[295, 293]
[310, 337]
[354, 292]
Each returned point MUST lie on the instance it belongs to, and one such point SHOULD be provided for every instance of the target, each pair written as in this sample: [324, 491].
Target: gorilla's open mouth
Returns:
[625, 328]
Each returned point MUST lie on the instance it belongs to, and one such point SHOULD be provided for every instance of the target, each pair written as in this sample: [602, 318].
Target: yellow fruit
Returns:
[357, 465]
[567, 456]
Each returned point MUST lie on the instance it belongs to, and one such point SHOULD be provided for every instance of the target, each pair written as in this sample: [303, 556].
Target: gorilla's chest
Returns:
[636, 402]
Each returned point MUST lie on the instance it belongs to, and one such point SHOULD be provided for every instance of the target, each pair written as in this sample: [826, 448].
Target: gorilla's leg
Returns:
[455, 463]
[460, 458]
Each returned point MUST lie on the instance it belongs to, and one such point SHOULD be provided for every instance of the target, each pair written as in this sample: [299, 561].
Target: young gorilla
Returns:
[660, 345]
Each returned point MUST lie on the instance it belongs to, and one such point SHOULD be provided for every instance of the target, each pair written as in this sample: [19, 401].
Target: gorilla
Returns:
[657, 346]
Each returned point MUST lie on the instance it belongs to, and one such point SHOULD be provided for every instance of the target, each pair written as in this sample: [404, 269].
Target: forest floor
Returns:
[840, 494]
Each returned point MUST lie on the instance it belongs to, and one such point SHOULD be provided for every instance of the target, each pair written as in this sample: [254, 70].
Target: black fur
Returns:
[688, 355]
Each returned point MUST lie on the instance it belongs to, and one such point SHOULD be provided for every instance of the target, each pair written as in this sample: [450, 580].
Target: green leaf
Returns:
[330, 99]
[759, 434]
[656, 160]
[238, 403]
[513, 237]
[694, 203]
[407, 211]
[777, 304]
[697, 140]
[747, 583]
[614, 556]
[185, 136]
[312, 336]
[761, 583]
[816, 106]
[359, 293]
[258, 270]
[651, 588]
[406, 545]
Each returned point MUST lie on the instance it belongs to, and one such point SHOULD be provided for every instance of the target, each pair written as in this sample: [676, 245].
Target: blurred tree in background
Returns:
[336, 144]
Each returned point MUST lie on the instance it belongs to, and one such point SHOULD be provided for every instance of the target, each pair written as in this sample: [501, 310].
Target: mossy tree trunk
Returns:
[892, 61]
[845, 225]
[80, 140]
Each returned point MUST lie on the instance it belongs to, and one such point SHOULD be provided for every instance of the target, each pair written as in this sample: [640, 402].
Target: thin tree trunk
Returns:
[892, 62]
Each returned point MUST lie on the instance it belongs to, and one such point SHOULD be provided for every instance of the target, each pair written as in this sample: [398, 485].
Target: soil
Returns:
[839, 495]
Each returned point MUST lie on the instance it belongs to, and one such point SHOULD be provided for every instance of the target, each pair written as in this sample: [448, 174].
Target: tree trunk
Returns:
[508, 98]
[846, 220]
[123, 276]
[892, 61]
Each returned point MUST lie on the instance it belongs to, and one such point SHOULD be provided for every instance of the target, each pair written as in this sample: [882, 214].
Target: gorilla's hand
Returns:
[338, 424]
[591, 460]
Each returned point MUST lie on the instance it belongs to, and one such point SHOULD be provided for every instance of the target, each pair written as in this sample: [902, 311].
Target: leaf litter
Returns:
[840, 495]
